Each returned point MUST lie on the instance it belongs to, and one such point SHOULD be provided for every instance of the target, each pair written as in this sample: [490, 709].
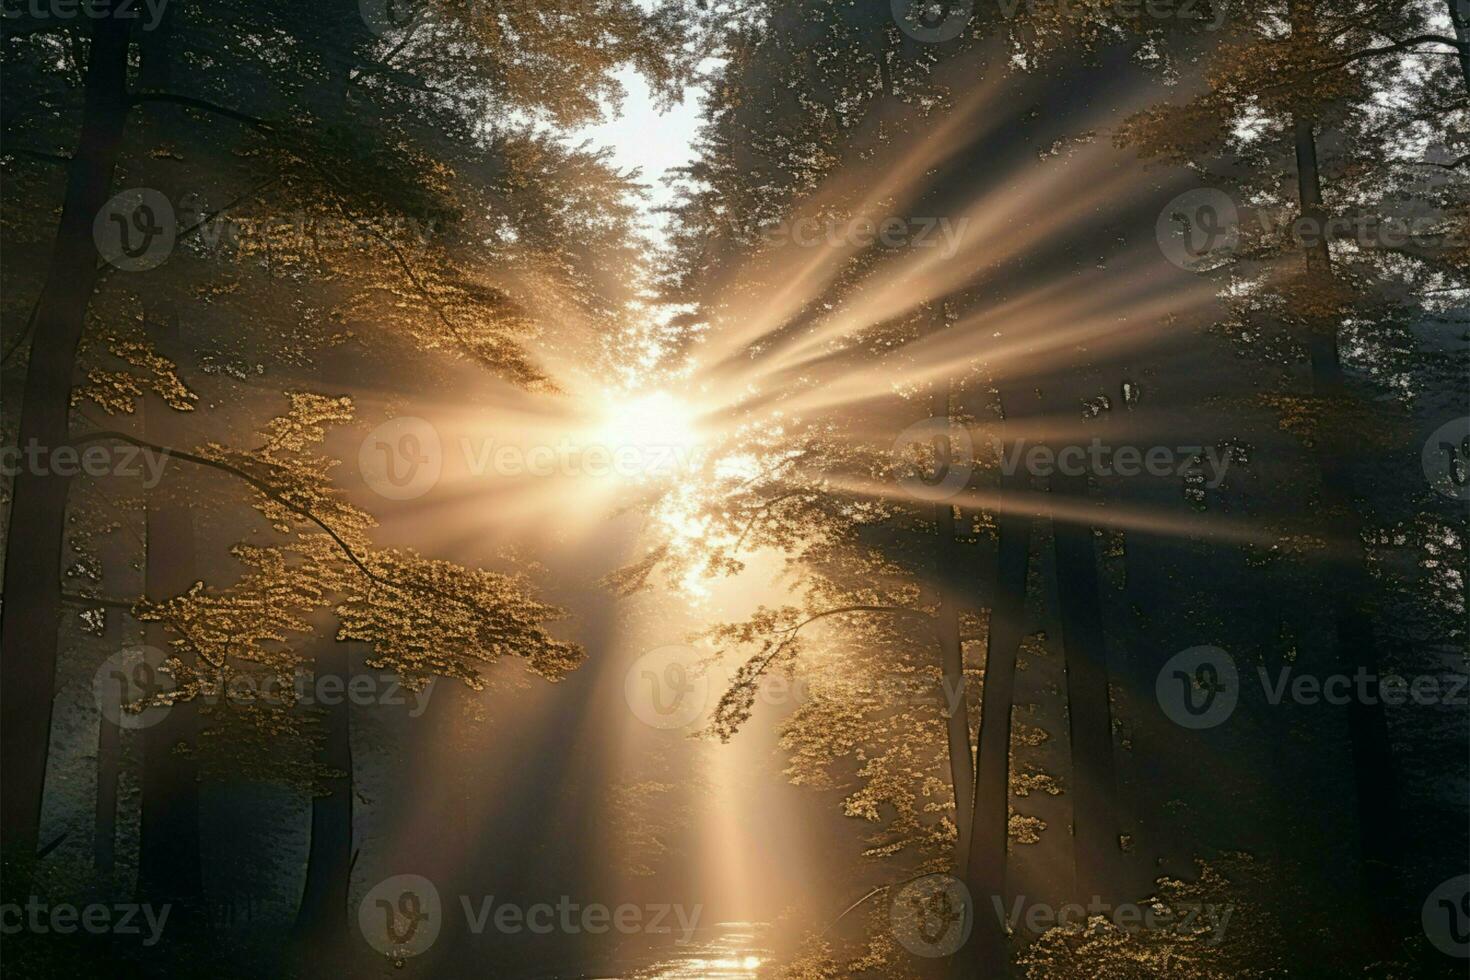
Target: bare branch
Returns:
[203, 105]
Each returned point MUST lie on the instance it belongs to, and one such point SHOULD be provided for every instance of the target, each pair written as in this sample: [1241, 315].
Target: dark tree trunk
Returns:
[1148, 556]
[321, 922]
[1460, 15]
[169, 861]
[1373, 764]
[33, 549]
[109, 768]
[951, 648]
[1089, 706]
[986, 871]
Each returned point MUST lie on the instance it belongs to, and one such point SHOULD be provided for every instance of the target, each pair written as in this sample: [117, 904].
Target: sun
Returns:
[648, 435]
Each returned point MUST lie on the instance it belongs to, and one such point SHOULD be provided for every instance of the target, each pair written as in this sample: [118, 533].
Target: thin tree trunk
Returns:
[951, 649]
[321, 921]
[109, 769]
[169, 860]
[986, 871]
[1373, 765]
[33, 548]
[1089, 707]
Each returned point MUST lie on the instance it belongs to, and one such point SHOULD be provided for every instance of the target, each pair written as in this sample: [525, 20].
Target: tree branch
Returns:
[39, 155]
[189, 102]
[791, 633]
[271, 493]
[82, 599]
[1446, 166]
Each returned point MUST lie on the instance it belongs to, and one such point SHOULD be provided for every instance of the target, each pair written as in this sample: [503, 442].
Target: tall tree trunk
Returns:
[1089, 707]
[990, 838]
[1373, 765]
[109, 770]
[169, 860]
[321, 921]
[951, 648]
[33, 547]
[440, 830]
[1460, 15]
[1148, 558]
